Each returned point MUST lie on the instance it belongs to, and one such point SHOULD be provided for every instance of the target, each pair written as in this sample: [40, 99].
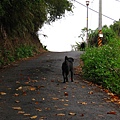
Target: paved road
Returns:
[33, 89]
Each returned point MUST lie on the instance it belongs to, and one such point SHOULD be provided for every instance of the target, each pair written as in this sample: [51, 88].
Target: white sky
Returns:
[64, 32]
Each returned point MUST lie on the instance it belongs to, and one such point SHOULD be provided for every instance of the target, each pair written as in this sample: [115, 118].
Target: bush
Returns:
[6, 57]
[24, 51]
[102, 65]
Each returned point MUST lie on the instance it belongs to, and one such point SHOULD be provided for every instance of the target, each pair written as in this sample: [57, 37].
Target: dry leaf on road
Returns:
[33, 117]
[60, 114]
[83, 103]
[112, 112]
[65, 93]
[55, 98]
[3, 93]
[17, 108]
[71, 113]
[21, 112]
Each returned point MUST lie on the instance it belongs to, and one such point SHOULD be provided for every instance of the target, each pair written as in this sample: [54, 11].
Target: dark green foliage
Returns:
[116, 27]
[24, 51]
[6, 57]
[108, 33]
[80, 46]
[19, 17]
[56, 8]
[20, 21]
[102, 65]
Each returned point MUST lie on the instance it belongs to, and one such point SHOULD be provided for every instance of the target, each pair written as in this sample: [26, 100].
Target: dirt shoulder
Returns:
[34, 89]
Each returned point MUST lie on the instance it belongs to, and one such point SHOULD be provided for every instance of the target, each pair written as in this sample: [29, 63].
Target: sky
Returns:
[63, 33]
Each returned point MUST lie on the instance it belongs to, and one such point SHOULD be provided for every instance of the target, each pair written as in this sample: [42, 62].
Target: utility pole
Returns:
[87, 3]
[100, 35]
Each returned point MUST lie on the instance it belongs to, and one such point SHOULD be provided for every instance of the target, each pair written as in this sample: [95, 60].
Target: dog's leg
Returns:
[71, 75]
[66, 78]
[63, 76]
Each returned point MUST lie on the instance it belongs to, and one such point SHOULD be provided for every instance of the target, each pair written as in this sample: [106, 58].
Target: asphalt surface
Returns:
[34, 89]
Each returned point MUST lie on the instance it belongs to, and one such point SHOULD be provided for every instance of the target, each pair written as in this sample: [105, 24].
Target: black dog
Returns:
[67, 66]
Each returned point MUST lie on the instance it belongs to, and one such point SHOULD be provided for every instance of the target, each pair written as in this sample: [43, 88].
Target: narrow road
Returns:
[34, 89]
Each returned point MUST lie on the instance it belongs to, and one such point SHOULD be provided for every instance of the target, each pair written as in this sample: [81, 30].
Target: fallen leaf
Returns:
[83, 103]
[65, 93]
[17, 82]
[26, 82]
[112, 112]
[82, 115]
[60, 108]
[32, 88]
[91, 92]
[65, 104]
[42, 86]
[34, 81]
[19, 88]
[17, 108]
[64, 87]
[17, 101]
[71, 113]
[26, 114]
[62, 100]
[42, 118]
[38, 109]
[36, 102]
[33, 99]
[111, 94]
[106, 90]
[16, 94]
[43, 78]
[21, 112]
[34, 117]
[3, 93]
[60, 114]
[83, 86]
[47, 108]
[55, 98]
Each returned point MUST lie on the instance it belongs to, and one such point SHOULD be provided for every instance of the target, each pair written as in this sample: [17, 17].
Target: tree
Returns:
[20, 21]
[27, 16]
[116, 27]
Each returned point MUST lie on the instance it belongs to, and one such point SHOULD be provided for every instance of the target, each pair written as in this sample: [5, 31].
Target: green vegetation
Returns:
[102, 64]
[20, 21]
[22, 51]
[107, 32]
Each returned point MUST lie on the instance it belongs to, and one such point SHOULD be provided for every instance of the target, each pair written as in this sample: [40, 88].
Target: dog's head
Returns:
[70, 59]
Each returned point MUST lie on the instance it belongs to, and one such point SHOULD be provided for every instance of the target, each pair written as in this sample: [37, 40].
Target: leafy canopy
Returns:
[27, 16]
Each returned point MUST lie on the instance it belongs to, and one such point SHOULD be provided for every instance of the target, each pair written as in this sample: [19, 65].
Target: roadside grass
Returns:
[102, 65]
[23, 51]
